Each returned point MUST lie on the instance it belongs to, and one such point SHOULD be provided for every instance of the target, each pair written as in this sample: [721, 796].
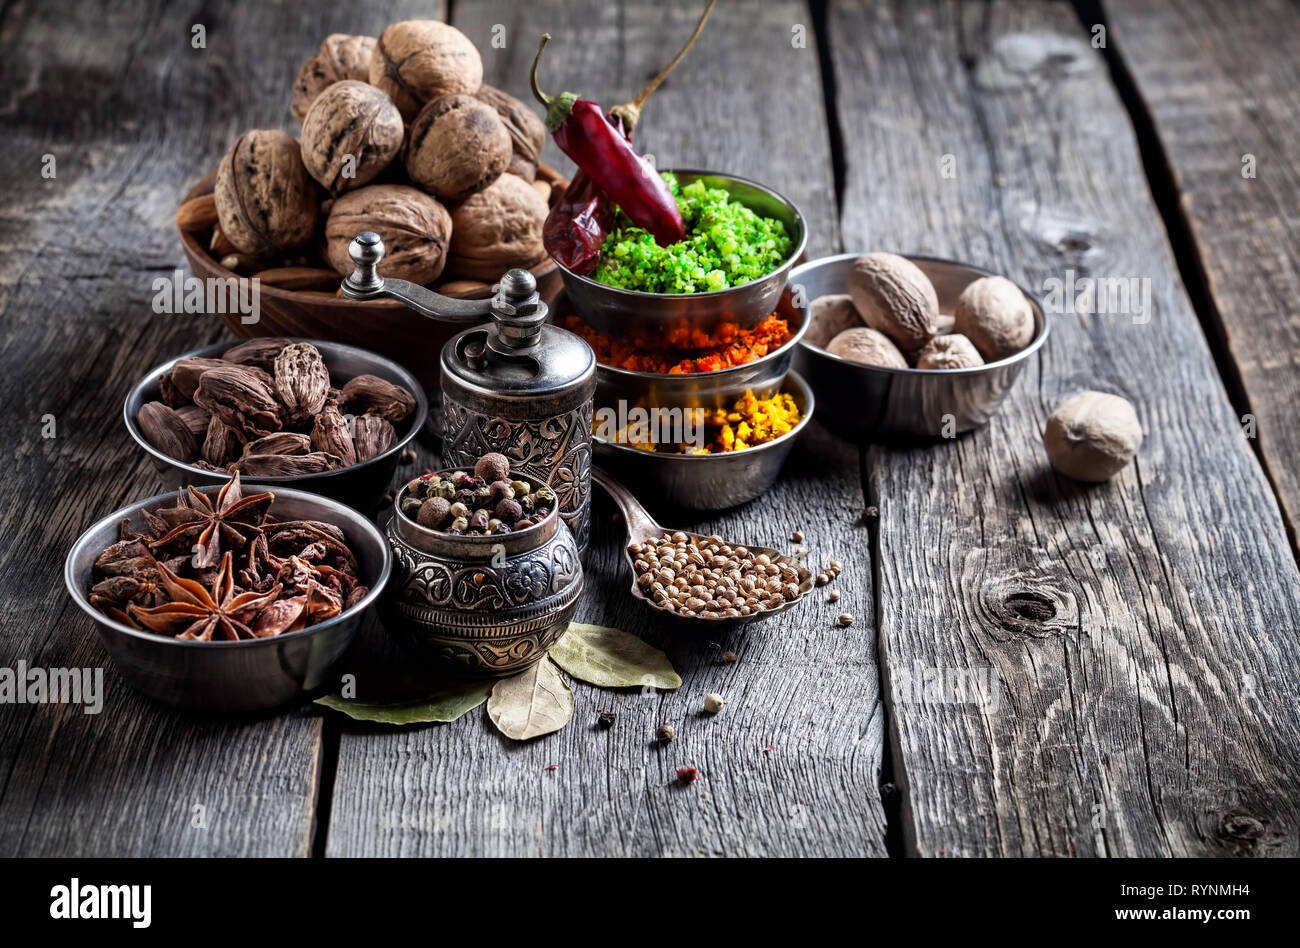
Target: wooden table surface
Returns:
[1139, 636]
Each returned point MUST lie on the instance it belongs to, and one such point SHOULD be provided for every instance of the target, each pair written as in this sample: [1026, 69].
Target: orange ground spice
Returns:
[708, 352]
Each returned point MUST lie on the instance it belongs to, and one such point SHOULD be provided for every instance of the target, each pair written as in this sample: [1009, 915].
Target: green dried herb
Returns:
[612, 658]
[534, 702]
[443, 706]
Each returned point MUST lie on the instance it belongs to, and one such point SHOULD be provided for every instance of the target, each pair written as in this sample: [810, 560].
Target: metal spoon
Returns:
[641, 527]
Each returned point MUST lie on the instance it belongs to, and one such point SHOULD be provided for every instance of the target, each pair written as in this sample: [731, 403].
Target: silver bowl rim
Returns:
[789, 260]
[409, 381]
[1034, 344]
[333, 507]
[810, 404]
[717, 375]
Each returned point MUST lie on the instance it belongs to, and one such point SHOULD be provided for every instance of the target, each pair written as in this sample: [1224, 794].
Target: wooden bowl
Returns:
[383, 326]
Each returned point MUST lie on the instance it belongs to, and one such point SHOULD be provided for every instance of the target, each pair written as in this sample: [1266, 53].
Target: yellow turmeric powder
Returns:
[751, 421]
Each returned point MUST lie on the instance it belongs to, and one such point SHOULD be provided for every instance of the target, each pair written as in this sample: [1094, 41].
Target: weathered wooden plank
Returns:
[1222, 86]
[1140, 633]
[132, 114]
[802, 684]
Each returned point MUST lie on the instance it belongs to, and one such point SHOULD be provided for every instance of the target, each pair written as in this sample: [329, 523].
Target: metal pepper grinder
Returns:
[515, 385]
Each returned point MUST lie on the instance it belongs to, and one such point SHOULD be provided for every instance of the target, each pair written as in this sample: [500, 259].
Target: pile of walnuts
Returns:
[399, 136]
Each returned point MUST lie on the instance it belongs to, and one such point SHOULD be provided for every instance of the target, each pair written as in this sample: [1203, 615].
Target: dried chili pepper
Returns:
[602, 149]
[575, 229]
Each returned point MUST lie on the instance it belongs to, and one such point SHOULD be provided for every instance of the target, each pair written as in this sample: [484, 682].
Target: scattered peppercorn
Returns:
[552, 767]
[846, 618]
[797, 536]
[687, 774]
[871, 514]
[834, 595]
[728, 656]
[713, 703]
[606, 718]
[407, 457]
[665, 733]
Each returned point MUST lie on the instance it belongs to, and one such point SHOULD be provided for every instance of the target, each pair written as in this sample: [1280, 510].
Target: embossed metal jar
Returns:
[484, 605]
[524, 388]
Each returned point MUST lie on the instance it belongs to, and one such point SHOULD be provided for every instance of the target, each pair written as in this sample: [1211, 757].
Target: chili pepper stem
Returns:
[630, 112]
[558, 107]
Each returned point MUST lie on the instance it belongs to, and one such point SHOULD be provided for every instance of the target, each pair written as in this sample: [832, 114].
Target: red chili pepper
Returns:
[687, 774]
[605, 153]
[575, 229]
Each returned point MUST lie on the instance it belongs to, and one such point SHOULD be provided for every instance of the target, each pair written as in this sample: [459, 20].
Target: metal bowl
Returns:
[861, 401]
[362, 486]
[649, 318]
[619, 389]
[707, 481]
[482, 606]
[244, 676]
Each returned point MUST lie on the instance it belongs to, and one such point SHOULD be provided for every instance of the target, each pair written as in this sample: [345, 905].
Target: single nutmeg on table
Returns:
[1092, 436]
[416, 61]
[350, 134]
[415, 228]
[994, 315]
[266, 200]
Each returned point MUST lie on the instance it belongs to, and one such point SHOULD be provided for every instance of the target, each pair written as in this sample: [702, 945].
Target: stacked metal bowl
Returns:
[696, 481]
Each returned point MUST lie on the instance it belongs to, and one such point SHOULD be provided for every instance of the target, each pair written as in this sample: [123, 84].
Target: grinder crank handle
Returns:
[365, 283]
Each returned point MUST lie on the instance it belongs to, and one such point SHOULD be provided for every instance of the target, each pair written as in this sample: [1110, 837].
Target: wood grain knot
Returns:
[1240, 827]
[1034, 611]
[1022, 60]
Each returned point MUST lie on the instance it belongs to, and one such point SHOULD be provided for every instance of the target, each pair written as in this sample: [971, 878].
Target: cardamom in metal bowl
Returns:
[319, 416]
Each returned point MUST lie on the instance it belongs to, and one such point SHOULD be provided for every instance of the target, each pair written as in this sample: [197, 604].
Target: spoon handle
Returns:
[639, 523]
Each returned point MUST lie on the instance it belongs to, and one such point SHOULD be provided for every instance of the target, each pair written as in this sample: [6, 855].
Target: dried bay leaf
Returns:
[612, 658]
[534, 702]
[443, 706]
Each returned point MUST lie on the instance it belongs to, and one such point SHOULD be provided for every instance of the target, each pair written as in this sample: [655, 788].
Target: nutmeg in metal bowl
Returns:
[486, 605]
[361, 485]
[860, 401]
[248, 675]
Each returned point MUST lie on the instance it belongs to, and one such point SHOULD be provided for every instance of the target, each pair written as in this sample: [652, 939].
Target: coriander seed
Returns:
[846, 618]
[713, 703]
[664, 733]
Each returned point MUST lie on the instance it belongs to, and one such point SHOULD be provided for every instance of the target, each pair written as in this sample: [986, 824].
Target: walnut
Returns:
[351, 133]
[416, 61]
[266, 201]
[458, 145]
[496, 229]
[526, 128]
[340, 57]
[896, 298]
[415, 229]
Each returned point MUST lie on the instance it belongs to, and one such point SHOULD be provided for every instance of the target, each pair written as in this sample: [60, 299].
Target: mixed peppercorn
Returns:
[488, 501]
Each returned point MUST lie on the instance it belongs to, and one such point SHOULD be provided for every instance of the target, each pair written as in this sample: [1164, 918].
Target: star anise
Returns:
[203, 526]
[222, 614]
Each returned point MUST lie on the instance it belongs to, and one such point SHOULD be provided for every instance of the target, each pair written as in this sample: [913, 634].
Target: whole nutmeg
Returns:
[830, 315]
[267, 203]
[498, 228]
[526, 128]
[953, 351]
[434, 513]
[867, 346]
[1092, 435]
[340, 57]
[415, 229]
[896, 298]
[351, 133]
[416, 61]
[458, 145]
[995, 316]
